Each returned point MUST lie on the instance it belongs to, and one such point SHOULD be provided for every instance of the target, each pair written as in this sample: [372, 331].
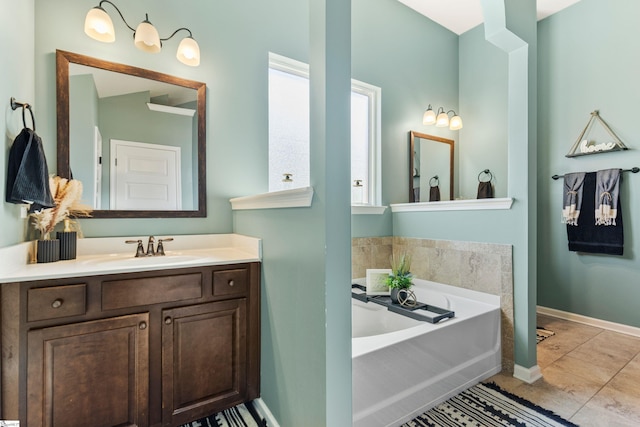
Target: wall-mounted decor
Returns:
[584, 146]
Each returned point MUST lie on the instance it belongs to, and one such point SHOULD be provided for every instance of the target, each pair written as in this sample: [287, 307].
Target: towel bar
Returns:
[632, 170]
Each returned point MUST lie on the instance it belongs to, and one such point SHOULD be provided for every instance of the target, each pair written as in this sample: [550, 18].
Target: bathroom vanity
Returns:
[173, 342]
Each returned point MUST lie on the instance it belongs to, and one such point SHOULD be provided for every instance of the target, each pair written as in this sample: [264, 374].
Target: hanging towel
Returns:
[607, 193]
[485, 190]
[434, 193]
[572, 197]
[589, 237]
[27, 172]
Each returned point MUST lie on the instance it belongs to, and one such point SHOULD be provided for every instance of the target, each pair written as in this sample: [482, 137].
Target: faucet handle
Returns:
[160, 250]
[139, 249]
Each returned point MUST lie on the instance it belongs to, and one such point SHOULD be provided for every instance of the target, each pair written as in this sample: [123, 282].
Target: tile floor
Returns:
[591, 376]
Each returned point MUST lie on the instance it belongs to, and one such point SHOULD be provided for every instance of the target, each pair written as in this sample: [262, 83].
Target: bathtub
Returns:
[403, 367]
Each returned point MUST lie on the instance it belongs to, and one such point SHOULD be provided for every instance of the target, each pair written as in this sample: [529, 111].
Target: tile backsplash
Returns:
[484, 267]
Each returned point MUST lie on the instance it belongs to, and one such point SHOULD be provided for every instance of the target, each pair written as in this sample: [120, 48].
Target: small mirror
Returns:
[430, 167]
[134, 137]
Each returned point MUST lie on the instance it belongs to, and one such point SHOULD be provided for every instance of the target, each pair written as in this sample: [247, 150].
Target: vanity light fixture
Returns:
[441, 118]
[99, 26]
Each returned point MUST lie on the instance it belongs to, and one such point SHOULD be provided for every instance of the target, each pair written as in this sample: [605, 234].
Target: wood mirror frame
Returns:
[413, 135]
[63, 59]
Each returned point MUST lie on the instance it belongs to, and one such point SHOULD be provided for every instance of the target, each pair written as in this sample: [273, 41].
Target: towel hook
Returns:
[435, 177]
[488, 172]
[15, 104]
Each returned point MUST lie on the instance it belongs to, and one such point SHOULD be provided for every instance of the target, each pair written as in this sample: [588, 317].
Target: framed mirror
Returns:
[135, 138]
[430, 167]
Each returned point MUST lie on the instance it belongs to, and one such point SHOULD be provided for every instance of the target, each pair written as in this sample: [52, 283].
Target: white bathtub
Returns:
[403, 367]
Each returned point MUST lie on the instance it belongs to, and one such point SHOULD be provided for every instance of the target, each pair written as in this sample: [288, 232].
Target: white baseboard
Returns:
[263, 410]
[604, 324]
[528, 375]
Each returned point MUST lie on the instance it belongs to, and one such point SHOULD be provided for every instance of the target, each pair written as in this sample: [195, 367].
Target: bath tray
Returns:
[421, 311]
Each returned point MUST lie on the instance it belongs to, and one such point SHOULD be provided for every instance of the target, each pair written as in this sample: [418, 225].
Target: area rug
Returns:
[542, 334]
[238, 416]
[487, 405]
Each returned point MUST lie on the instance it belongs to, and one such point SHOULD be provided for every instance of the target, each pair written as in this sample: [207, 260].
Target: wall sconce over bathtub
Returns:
[99, 26]
[441, 118]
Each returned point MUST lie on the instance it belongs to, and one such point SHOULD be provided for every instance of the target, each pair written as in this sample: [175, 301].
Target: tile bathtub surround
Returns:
[483, 267]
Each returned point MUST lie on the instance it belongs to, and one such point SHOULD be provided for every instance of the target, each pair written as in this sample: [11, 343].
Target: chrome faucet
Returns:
[151, 251]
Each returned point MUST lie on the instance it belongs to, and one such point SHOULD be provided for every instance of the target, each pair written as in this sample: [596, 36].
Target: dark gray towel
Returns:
[434, 193]
[485, 190]
[27, 172]
[591, 238]
[572, 197]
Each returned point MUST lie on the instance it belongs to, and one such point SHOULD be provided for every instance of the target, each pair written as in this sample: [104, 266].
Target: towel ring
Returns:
[15, 104]
[431, 180]
[488, 172]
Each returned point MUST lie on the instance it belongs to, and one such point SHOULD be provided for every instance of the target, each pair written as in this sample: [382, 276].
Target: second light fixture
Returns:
[441, 118]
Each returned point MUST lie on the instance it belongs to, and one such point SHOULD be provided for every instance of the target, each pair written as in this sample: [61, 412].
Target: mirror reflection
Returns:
[135, 138]
[431, 168]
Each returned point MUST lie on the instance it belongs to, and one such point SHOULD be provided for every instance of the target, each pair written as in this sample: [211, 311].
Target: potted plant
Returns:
[66, 196]
[400, 279]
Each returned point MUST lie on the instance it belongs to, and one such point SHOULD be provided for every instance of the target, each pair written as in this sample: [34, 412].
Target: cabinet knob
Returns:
[168, 320]
[231, 283]
[143, 325]
[57, 303]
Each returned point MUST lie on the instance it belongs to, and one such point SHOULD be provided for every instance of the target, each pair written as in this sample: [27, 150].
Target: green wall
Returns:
[588, 61]
[83, 118]
[16, 63]
[415, 62]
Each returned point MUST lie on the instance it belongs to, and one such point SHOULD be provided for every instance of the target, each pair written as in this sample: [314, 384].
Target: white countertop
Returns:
[107, 255]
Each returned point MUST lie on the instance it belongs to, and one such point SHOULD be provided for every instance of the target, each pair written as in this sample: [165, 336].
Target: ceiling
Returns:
[459, 16]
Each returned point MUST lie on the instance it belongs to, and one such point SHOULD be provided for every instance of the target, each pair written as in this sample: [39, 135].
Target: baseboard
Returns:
[528, 375]
[263, 410]
[604, 324]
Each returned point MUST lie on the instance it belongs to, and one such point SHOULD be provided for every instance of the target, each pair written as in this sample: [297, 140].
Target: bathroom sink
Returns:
[131, 261]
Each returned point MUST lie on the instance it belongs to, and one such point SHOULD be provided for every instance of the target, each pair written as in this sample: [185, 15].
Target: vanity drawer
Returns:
[150, 290]
[230, 282]
[56, 301]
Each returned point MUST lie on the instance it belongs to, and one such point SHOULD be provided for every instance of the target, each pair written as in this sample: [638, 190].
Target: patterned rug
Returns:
[487, 405]
[542, 334]
[238, 416]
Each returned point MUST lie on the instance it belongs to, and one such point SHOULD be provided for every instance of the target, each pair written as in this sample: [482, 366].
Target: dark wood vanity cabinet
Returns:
[156, 348]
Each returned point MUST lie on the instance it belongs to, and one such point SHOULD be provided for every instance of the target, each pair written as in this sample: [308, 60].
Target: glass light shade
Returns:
[189, 52]
[99, 26]
[147, 38]
[455, 123]
[429, 117]
[442, 120]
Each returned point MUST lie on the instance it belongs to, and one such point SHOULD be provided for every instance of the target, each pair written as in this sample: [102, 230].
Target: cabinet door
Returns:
[92, 373]
[204, 360]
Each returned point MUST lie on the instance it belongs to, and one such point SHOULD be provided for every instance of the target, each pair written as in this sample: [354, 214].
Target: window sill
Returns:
[294, 198]
[367, 210]
[454, 205]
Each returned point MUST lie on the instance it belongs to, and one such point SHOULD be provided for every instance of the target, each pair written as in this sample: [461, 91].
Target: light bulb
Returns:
[189, 52]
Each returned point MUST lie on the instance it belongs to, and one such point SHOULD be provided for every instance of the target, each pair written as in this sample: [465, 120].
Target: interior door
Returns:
[145, 176]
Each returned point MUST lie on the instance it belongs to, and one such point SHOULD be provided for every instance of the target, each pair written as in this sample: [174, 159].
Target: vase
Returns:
[68, 244]
[394, 295]
[48, 250]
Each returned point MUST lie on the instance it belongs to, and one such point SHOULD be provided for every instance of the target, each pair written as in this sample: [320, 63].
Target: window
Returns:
[289, 131]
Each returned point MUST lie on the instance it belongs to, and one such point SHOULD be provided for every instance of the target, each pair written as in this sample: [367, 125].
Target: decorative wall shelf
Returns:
[294, 198]
[583, 146]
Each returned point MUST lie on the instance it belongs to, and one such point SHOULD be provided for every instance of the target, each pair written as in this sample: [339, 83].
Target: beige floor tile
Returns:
[593, 416]
[599, 374]
[549, 397]
[620, 396]
[608, 349]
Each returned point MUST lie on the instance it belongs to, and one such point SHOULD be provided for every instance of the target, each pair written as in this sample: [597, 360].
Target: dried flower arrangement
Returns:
[67, 194]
